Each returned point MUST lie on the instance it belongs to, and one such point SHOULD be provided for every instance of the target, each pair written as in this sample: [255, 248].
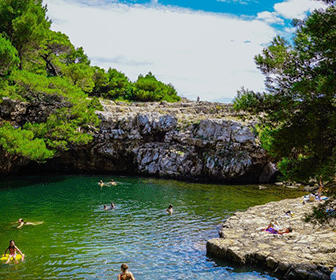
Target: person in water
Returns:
[170, 209]
[125, 274]
[22, 223]
[13, 252]
[101, 183]
[109, 208]
[112, 183]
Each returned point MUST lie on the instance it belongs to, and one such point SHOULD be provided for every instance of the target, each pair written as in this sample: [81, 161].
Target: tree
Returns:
[297, 113]
[8, 57]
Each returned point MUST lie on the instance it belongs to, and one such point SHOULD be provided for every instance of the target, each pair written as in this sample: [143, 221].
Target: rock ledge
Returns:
[309, 252]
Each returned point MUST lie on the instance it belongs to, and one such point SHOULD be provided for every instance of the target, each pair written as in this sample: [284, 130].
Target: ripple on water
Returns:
[79, 240]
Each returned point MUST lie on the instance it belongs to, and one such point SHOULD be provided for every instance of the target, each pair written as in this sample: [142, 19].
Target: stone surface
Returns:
[309, 252]
[188, 140]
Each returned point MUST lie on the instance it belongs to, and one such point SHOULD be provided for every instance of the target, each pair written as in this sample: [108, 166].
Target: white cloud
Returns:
[201, 54]
[270, 17]
[297, 8]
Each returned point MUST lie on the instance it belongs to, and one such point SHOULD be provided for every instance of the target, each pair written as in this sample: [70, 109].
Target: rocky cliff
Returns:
[188, 140]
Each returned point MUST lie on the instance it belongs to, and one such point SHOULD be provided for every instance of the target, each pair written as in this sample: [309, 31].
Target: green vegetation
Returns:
[297, 112]
[42, 69]
[115, 85]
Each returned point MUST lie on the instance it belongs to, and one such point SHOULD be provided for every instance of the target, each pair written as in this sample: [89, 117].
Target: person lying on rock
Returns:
[272, 230]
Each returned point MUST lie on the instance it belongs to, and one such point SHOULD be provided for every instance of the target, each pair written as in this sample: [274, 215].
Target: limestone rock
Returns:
[309, 252]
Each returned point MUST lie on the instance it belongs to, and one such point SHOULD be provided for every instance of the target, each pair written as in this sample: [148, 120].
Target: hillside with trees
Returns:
[43, 69]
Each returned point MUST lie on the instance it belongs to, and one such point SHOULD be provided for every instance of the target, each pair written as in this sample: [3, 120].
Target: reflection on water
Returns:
[78, 240]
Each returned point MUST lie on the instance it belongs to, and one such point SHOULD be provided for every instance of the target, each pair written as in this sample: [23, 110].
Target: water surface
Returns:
[78, 240]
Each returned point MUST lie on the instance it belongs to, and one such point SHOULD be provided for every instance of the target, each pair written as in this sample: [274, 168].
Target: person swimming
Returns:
[112, 183]
[101, 183]
[125, 274]
[13, 252]
[170, 209]
[112, 206]
[22, 223]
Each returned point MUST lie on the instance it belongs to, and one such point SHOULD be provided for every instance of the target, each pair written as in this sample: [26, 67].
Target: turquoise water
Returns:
[78, 240]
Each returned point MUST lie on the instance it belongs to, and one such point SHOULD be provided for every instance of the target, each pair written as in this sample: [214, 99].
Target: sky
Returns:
[204, 48]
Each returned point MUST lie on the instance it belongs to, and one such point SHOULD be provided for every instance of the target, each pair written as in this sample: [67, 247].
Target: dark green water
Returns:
[78, 240]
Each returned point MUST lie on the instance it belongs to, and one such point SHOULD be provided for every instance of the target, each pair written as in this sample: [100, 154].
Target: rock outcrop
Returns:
[309, 252]
[195, 141]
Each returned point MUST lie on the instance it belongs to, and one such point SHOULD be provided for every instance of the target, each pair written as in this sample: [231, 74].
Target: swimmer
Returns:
[101, 183]
[105, 208]
[22, 223]
[125, 275]
[170, 209]
[112, 183]
[12, 252]
[112, 205]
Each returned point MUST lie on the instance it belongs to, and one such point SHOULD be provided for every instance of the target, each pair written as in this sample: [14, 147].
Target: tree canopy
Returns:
[297, 112]
[41, 66]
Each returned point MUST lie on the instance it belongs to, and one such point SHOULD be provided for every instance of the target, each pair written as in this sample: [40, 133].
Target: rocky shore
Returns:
[184, 140]
[308, 252]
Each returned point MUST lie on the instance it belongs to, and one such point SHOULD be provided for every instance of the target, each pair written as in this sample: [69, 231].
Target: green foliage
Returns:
[115, 85]
[297, 113]
[23, 142]
[42, 68]
[8, 57]
[148, 88]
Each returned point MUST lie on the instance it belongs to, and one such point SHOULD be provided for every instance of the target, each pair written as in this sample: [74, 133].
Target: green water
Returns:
[78, 240]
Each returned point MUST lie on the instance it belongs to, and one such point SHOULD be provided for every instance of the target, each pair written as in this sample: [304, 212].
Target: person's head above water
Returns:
[112, 205]
[124, 267]
[170, 206]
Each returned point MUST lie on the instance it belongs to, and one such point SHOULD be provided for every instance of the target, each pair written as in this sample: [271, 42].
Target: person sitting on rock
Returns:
[272, 230]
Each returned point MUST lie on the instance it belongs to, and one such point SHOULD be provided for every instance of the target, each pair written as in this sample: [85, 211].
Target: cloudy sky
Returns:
[203, 47]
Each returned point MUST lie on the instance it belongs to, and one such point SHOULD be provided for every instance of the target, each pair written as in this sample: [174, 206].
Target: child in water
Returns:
[12, 252]
[125, 275]
[170, 209]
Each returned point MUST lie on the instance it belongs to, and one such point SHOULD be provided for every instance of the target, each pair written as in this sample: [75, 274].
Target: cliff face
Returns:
[181, 140]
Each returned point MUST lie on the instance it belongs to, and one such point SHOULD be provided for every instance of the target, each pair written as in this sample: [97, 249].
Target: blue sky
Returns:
[204, 48]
